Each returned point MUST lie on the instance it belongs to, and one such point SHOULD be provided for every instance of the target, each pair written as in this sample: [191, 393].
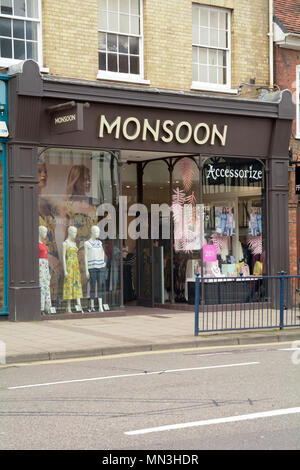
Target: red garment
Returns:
[43, 250]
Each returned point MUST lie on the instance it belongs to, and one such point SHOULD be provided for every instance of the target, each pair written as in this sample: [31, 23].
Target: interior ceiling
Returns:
[136, 155]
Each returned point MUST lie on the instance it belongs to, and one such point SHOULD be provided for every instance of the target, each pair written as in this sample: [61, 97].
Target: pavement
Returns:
[134, 329]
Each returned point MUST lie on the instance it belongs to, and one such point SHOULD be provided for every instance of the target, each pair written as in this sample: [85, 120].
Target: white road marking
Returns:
[140, 374]
[207, 422]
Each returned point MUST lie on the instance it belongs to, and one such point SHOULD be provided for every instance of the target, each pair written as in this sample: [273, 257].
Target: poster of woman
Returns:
[255, 223]
[224, 220]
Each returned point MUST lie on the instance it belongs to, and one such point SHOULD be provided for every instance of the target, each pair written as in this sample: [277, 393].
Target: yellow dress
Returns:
[72, 283]
[83, 223]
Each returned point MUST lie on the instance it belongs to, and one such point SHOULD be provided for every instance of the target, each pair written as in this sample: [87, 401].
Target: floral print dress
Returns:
[72, 283]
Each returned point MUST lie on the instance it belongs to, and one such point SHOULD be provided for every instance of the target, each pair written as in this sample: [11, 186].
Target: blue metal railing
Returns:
[248, 302]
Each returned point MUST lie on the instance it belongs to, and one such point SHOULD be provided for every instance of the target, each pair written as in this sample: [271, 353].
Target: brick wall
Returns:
[285, 61]
[70, 40]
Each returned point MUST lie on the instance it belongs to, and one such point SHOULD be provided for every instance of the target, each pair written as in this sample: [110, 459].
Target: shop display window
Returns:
[79, 264]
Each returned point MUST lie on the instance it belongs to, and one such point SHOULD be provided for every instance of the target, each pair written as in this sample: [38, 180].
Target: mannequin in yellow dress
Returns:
[72, 281]
[79, 211]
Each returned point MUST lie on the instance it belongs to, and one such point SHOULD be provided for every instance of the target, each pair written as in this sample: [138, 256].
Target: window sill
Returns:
[297, 136]
[206, 87]
[122, 77]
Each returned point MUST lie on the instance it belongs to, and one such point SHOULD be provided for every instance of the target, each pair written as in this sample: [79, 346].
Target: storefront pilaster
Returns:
[24, 290]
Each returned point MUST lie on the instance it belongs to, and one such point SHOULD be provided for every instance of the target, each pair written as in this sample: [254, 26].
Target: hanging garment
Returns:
[44, 277]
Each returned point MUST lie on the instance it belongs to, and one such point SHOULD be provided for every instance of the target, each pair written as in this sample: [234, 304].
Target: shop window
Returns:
[211, 48]
[20, 32]
[78, 191]
[221, 233]
[120, 40]
[234, 217]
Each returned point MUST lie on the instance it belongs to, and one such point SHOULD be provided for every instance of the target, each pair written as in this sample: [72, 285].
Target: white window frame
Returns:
[198, 85]
[7, 62]
[127, 77]
[297, 102]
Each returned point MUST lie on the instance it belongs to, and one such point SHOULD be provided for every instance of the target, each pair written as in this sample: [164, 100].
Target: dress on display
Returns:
[44, 276]
[72, 283]
[47, 217]
[83, 223]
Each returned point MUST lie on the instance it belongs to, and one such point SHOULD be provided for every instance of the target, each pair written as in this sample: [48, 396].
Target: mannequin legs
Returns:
[92, 305]
[96, 276]
[78, 305]
[68, 309]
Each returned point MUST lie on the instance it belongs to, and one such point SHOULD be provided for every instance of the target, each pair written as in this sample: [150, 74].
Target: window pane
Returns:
[123, 63]
[134, 25]
[102, 61]
[6, 48]
[19, 50]
[102, 41]
[124, 44]
[113, 5]
[32, 50]
[214, 19]
[5, 27]
[112, 42]
[213, 75]
[113, 22]
[195, 54]
[134, 46]
[135, 7]
[124, 6]
[31, 30]
[202, 55]
[32, 9]
[112, 62]
[224, 75]
[18, 26]
[214, 37]
[213, 57]
[203, 17]
[134, 65]
[222, 58]
[19, 7]
[223, 39]
[124, 24]
[222, 20]
[6, 7]
[195, 34]
[203, 74]
[204, 36]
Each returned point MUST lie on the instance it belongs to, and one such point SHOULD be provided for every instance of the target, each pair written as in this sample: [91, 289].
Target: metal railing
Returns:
[247, 302]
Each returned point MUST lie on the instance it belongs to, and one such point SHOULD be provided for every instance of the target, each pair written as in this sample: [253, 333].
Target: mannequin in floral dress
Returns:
[72, 281]
[79, 211]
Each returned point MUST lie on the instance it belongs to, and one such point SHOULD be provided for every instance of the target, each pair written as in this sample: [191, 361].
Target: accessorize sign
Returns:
[165, 131]
[235, 174]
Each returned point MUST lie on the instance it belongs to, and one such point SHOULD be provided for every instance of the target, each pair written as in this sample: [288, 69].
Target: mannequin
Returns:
[44, 271]
[94, 265]
[72, 282]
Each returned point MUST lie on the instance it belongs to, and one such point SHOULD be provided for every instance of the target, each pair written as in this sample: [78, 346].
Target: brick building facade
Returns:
[286, 65]
[143, 63]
